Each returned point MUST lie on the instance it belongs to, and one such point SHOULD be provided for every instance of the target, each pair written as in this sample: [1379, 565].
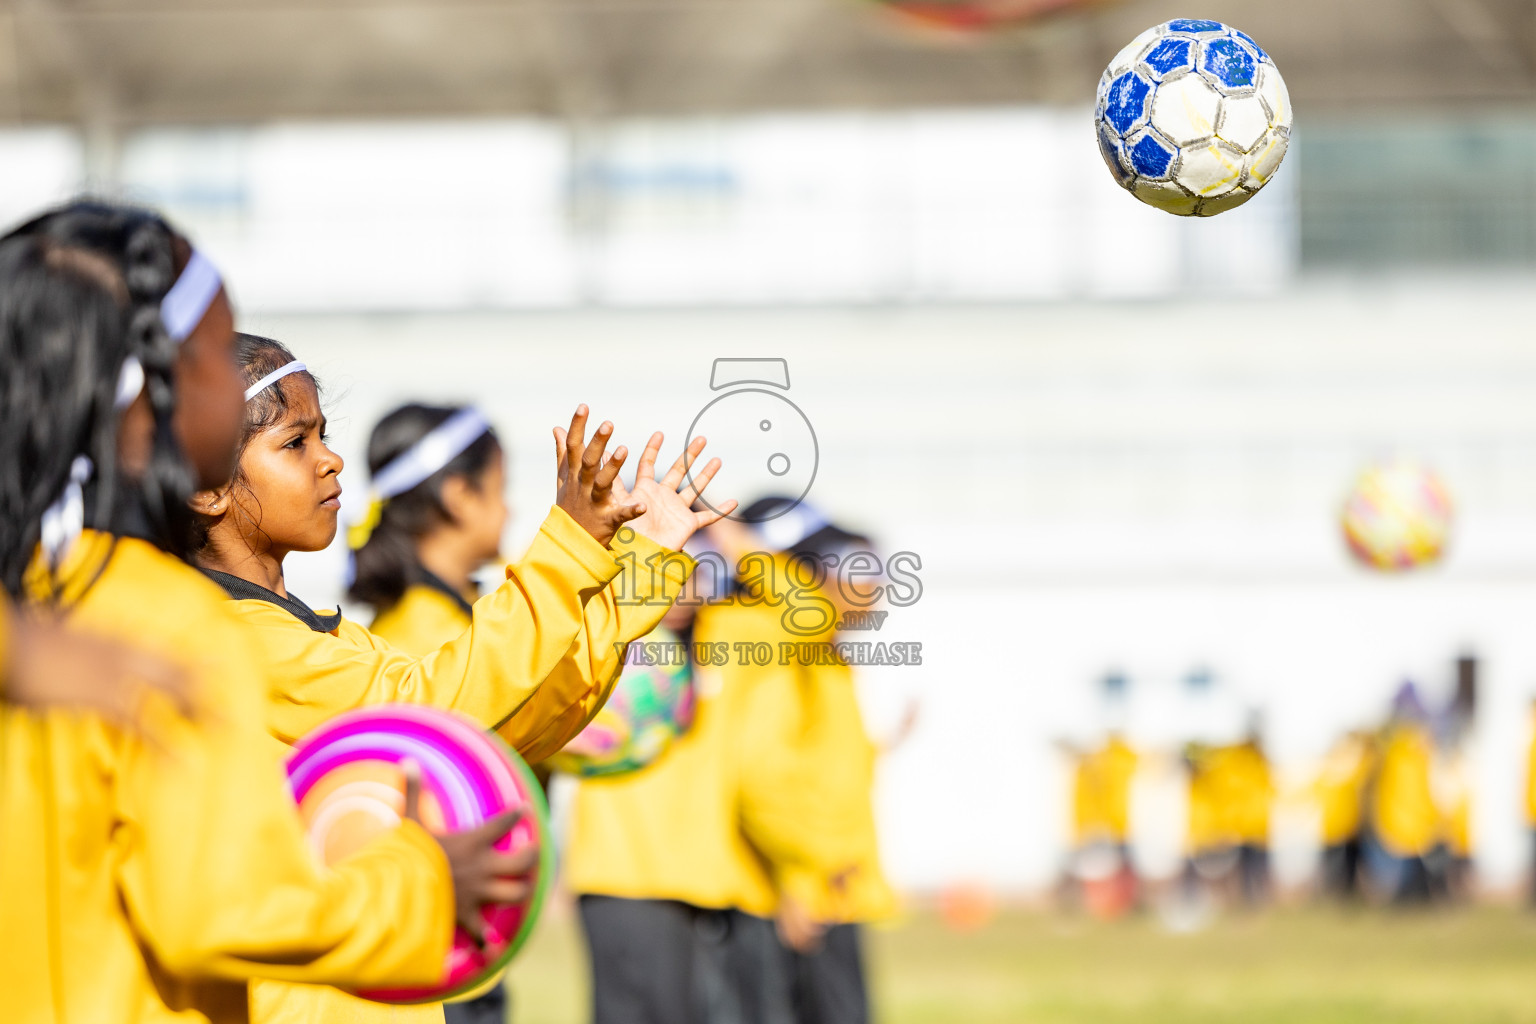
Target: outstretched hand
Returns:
[52, 666]
[669, 518]
[481, 873]
[584, 483]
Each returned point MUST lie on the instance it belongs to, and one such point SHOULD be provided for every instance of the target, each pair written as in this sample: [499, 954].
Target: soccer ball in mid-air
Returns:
[1193, 117]
[1397, 517]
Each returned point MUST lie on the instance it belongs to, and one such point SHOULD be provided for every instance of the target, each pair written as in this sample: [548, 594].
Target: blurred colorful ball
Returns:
[651, 706]
[978, 15]
[347, 779]
[1397, 517]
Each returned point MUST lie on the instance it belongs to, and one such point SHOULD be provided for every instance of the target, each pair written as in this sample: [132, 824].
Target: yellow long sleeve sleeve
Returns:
[650, 579]
[519, 634]
[156, 881]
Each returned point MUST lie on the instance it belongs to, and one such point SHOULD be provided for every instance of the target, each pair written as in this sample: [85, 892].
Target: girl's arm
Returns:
[650, 579]
[653, 573]
[45, 665]
[519, 633]
[217, 875]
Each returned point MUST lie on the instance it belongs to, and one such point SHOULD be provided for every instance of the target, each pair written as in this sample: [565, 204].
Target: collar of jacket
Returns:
[432, 581]
[245, 590]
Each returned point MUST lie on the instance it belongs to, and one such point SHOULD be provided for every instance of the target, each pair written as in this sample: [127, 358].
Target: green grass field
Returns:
[1284, 967]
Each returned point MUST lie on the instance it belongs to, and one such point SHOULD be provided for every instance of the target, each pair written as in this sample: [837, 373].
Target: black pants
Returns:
[664, 962]
[828, 985]
[1341, 869]
[1253, 874]
[490, 1008]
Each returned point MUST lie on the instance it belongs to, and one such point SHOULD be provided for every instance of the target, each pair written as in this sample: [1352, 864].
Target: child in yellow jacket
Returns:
[822, 914]
[156, 879]
[542, 651]
[439, 474]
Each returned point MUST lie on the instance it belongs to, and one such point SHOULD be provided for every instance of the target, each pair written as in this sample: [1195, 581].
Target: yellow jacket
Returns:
[1230, 793]
[1405, 816]
[1530, 777]
[842, 766]
[540, 656]
[1101, 794]
[536, 662]
[422, 620]
[1451, 787]
[147, 885]
[1341, 789]
[747, 801]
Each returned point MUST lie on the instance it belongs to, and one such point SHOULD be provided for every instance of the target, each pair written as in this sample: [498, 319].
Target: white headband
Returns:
[439, 447]
[182, 309]
[185, 305]
[272, 378]
[791, 526]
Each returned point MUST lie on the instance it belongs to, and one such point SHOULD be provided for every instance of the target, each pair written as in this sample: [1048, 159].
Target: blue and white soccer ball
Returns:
[1193, 117]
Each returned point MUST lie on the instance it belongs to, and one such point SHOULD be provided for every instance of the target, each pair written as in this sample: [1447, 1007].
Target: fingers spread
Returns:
[700, 481]
[645, 469]
[709, 517]
[674, 477]
[576, 437]
[593, 456]
[610, 471]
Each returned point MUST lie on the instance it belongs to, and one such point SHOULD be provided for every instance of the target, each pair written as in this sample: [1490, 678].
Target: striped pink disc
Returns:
[347, 781]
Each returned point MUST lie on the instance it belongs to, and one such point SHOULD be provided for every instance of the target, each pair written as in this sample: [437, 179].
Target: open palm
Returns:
[669, 518]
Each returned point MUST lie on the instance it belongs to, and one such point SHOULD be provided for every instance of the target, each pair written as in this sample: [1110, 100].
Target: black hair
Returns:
[387, 563]
[80, 292]
[257, 356]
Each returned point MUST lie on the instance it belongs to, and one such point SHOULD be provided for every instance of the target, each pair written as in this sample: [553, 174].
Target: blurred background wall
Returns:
[1118, 441]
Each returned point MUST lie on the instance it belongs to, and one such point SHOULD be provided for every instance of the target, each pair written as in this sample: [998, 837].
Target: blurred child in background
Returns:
[1530, 800]
[1405, 822]
[822, 915]
[1341, 790]
[440, 520]
[1230, 798]
[440, 475]
[1101, 816]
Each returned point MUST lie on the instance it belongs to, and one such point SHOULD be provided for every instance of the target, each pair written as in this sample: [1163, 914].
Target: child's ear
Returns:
[210, 503]
[455, 496]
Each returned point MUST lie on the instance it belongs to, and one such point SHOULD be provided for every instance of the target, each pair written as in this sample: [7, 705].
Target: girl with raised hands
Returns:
[541, 652]
[441, 519]
[151, 881]
[530, 631]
